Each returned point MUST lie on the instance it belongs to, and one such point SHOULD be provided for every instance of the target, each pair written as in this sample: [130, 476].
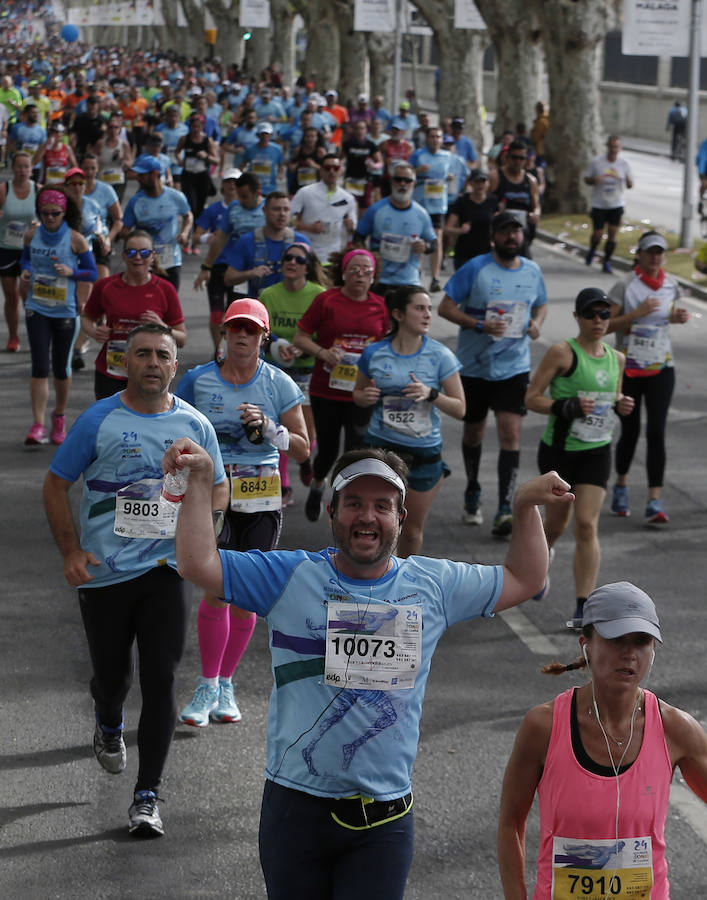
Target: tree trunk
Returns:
[461, 85]
[322, 60]
[381, 52]
[516, 40]
[257, 51]
[573, 32]
[354, 72]
[283, 39]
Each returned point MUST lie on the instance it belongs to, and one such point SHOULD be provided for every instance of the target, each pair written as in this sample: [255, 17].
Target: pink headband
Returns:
[302, 246]
[56, 197]
[358, 252]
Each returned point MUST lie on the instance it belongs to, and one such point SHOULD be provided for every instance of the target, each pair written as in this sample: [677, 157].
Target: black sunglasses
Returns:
[143, 253]
[247, 325]
[400, 179]
[51, 213]
[290, 257]
[593, 313]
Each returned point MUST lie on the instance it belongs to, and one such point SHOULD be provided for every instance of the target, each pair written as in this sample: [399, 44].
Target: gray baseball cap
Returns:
[621, 608]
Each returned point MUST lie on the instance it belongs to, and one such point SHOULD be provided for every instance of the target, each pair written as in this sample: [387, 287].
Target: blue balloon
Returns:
[70, 33]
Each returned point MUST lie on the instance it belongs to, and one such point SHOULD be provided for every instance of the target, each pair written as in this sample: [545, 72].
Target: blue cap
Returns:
[146, 163]
[400, 124]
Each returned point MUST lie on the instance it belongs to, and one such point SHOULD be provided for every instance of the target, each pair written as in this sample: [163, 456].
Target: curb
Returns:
[689, 287]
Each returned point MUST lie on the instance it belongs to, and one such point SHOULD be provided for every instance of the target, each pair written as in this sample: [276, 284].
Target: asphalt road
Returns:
[63, 819]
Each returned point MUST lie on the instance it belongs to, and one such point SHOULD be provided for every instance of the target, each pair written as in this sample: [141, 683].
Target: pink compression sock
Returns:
[284, 469]
[241, 631]
[213, 629]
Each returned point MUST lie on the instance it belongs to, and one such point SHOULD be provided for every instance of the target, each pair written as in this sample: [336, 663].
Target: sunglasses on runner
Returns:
[244, 325]
[593, 313]
[52, 213]
[330, 168]
[143, 253]
[401, 179]
[290, 257]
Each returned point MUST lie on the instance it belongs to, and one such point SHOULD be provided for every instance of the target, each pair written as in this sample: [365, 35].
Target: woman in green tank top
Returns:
[584, 376]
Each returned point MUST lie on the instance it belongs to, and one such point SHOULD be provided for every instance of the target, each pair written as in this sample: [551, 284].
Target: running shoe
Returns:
[77, 362]
[435, 286]
[619, 501]
[109, 747]
[306, 472]
[503, 522]
[144, 816]
[472, 514]
[197, 712]
[542, 593]
[655, 515]
[13, 345]
[606, 267]
[288, 498]
[58, 435]
[575, 623]
[227, 708]
[37, 435]
[590, 256]
[313, 505]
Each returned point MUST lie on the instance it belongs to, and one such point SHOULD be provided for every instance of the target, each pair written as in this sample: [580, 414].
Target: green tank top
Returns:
[589, 377]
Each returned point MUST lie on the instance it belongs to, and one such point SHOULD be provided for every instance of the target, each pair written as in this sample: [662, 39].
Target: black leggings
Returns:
[330, 416]
[48, 332]
[154, 610]
[657, 391]
[195, 188]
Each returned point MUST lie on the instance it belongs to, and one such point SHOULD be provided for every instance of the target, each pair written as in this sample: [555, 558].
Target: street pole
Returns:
[693, 106]
[396, 64]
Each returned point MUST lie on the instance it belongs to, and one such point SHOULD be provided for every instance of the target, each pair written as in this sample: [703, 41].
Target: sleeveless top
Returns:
[16, 216]
[50, 294]
[578, 817]
[517, 196]
[194, 165]
[110, 164]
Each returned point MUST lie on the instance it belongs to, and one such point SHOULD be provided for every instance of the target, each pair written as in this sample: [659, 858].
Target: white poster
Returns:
[254, 14]
[656, 28]
[466, 15]
[374, 15]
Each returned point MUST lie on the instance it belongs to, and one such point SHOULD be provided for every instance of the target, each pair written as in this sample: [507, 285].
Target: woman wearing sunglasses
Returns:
[120, 302]
[286, 302]
[643, 307]
[334, 330]
[56, 259]
[256, 410]
[584, 376]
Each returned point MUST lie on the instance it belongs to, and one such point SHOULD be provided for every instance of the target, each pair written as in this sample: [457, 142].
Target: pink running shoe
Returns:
[58, 435]
[37, 435]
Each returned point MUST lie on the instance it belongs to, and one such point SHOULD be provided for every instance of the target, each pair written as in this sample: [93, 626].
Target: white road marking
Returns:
[532, 637]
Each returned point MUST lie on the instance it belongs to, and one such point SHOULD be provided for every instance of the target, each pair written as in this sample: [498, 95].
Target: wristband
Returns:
[432, 396]
[568, 408]
[277, 434]
[205, 268]
[479, 326]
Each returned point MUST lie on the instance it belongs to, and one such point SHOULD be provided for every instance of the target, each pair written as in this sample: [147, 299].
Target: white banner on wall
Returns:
[656, 28]
[466, 15]
[254, 14]
[374, 15]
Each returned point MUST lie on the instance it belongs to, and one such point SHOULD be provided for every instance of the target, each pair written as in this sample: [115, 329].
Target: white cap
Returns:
[263, 128]
[231, 174]
[331, 93]
[370, 466]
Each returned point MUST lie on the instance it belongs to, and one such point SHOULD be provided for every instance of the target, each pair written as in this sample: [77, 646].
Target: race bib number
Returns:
[647, 345]
[599, 424]
[15, 234]
[49, 290]
[113, 176]
[139, 513]
[596, 870]
[115, 357]
[372, 646]
[165, 255]
[194, 165]
[406, 416]
[343, 375]
[395, 247]
[255, 488]
[55, 174]
[610, 190]
[434, 190]
[261, 168]
[355, 186]
[305, 176]
[511, 312]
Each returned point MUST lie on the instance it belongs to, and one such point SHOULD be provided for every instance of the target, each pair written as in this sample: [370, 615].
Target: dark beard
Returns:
[506, 253]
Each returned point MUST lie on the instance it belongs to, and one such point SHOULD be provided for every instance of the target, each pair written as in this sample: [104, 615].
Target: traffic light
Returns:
[247, 35]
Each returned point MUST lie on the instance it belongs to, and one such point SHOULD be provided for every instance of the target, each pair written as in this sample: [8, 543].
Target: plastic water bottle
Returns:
[174, 487]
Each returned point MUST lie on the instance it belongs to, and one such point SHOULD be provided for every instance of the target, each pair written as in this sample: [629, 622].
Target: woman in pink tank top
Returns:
[601, 758]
